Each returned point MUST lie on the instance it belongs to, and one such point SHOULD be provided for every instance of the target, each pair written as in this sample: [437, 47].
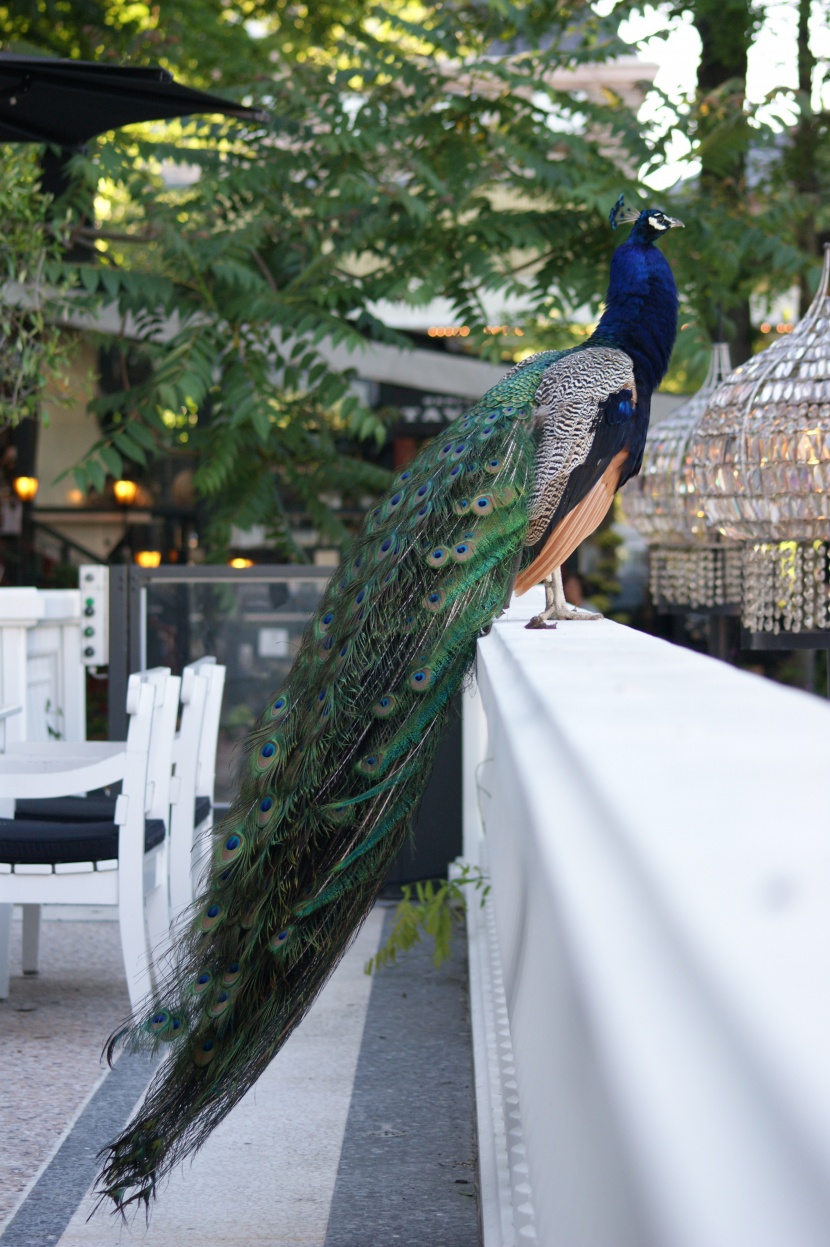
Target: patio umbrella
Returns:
[68, 102]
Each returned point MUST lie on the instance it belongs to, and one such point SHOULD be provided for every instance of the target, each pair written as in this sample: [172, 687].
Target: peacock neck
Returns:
[640, 314]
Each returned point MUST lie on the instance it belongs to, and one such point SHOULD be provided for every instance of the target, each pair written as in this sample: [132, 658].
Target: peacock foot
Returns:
[576, 612]
[556, 606]
[547, 619]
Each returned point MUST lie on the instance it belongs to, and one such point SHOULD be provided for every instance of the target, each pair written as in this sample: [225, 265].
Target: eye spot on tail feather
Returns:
[384, 706]
[421, 679]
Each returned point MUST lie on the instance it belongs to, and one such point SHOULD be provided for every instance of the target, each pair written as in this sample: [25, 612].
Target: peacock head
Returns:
[649, 225]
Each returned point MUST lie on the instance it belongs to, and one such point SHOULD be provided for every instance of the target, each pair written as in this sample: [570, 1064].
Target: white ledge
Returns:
[656, 825]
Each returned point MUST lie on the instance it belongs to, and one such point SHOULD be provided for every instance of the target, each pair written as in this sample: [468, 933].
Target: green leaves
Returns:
[30, 346]
[439, 905]
[404, 162]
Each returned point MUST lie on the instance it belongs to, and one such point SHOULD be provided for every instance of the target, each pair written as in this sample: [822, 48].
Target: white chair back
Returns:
[160, 764]
[206, 766]
[195, 771]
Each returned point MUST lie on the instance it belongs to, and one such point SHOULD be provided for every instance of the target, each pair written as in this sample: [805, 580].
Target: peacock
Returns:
[334, 768]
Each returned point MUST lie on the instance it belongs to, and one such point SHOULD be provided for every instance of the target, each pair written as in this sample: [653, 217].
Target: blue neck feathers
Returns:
[640, 314]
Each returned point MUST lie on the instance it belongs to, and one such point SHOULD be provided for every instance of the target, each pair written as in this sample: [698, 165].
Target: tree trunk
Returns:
[804, 153]
[725, 28]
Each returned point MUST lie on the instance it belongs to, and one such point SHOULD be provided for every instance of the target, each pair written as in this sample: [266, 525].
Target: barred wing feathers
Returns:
[585, 405]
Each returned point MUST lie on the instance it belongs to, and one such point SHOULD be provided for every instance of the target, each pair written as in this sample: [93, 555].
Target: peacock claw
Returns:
[539, 621]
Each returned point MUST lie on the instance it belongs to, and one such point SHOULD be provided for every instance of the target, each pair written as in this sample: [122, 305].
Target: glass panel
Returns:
[252, 627]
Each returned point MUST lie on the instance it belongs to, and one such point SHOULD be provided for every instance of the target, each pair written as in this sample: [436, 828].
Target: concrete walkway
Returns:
[359, 1133]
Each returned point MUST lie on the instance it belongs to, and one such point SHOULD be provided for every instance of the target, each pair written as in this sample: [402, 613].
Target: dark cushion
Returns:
[68, 809]
[201, 810]
[40, 842]
[88, 809]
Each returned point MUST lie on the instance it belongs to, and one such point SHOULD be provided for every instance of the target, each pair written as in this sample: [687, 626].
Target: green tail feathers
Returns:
[332, 774]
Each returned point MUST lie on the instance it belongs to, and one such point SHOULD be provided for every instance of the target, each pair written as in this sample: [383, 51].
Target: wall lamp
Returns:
[148, 558]
[125, 492]
[25, 487]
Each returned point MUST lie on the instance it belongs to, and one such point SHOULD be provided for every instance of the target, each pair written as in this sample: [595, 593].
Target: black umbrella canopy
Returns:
[69, 102]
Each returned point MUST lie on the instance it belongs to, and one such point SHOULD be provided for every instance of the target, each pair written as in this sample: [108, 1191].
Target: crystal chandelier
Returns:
[658, 502]
[704, 577]
[689, 564]
[760, 455]
[785, 587]
[760, 467]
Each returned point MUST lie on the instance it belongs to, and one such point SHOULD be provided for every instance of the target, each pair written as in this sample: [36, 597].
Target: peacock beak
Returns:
[673, 223]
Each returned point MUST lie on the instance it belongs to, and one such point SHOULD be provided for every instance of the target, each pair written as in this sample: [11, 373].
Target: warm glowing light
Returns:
[765, 328]
[448, 331]
[125, 492]
[148, 558]
[25, 487]
[75, 497]
[463, 331]
[241, 562]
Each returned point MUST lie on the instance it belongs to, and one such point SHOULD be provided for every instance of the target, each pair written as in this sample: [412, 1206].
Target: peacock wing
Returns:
[585, 405]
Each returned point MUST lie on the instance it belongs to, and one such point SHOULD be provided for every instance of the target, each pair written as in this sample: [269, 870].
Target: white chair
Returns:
[70, 862]
[194, 754]
[97, 808]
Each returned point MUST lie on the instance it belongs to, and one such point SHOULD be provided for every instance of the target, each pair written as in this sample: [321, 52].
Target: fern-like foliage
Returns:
[431, 907]
[402, 162]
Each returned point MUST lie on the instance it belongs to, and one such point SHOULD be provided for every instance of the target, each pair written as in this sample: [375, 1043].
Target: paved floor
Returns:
[359, 1134]
[51, 1031]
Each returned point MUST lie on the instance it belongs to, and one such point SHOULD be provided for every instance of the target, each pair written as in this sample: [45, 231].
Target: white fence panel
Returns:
[56, 676]
[41, 668]
[19, 612]
[657, 833]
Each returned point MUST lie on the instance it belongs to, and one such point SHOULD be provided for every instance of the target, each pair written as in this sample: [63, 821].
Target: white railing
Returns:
[41, 667]
[56, 675]
[655, 827]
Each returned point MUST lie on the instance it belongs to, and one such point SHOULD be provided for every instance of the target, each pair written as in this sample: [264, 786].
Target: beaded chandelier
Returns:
[658, 502]
[688, 563]
[760, 455]
[785, 587]
[759, 462]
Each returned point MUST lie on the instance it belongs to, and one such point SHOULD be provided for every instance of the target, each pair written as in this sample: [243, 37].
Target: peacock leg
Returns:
[541, 621]
[555, 605]
[561, 608]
